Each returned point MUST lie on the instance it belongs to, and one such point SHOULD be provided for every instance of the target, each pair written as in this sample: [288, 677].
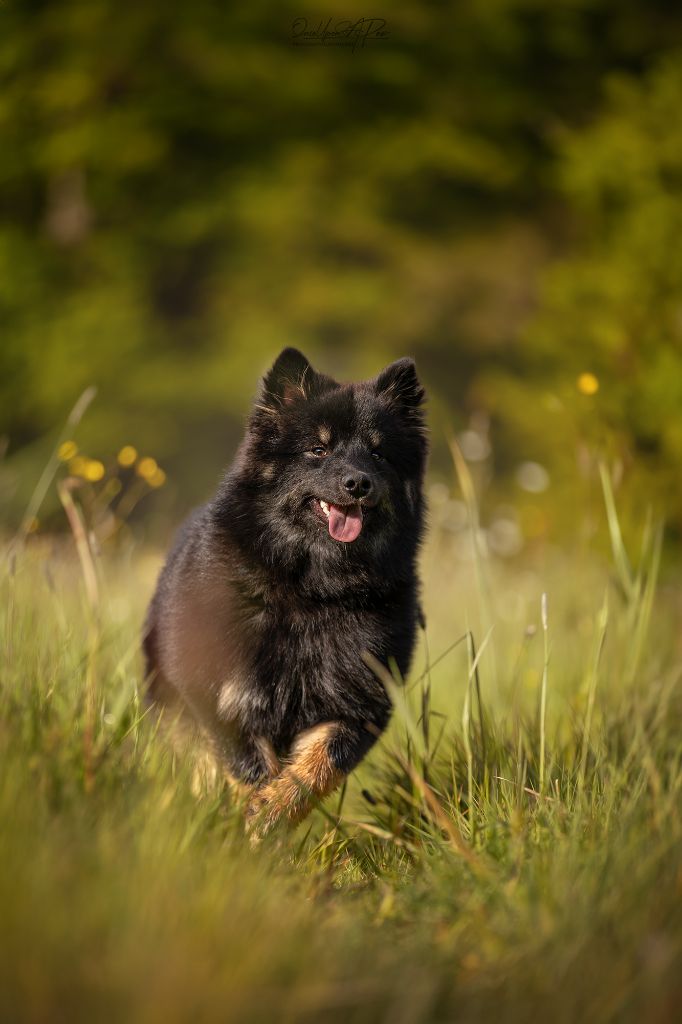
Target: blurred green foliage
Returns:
[614, 305]
[495, 188]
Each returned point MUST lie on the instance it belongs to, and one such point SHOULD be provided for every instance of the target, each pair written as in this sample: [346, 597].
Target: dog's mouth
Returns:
[344, 522]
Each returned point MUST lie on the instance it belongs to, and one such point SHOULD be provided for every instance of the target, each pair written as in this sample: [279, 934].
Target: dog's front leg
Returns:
[320, 759]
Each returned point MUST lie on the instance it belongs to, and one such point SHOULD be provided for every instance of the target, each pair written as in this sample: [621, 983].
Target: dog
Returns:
[301, 570]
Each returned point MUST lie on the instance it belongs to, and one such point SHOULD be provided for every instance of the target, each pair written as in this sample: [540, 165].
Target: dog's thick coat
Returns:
[304, 560]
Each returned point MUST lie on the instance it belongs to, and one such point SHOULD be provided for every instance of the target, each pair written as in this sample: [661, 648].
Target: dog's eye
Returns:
[318, 451]
[377, 455]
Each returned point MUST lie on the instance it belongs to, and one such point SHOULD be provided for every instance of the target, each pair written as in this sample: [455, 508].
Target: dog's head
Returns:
[336, 466]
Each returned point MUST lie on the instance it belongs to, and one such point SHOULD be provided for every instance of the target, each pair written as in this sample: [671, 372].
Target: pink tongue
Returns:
[345, 523]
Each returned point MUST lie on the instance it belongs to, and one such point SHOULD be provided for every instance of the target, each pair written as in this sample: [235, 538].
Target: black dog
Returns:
[304, 561]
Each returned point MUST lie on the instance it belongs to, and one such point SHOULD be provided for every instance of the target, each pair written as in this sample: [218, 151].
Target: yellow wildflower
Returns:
[588, 384]
[157, 478]
[146, 467]
[67, 450]
[94, 470]
[127, 456]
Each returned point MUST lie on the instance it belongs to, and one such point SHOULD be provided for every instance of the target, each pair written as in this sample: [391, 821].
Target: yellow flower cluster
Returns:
[93, 470]
[80, 465]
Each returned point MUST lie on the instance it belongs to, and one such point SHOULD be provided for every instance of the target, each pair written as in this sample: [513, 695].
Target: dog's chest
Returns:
[308, 664]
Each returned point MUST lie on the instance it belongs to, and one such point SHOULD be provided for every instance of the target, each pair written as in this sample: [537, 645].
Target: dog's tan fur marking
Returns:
[309, 775]
[375, 438]
[325, 434]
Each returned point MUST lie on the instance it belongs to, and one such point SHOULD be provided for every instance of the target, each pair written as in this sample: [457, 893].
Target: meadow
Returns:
[511, 849]
[496, 190]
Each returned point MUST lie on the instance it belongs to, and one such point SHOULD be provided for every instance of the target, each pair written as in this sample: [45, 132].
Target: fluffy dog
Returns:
[304, 561]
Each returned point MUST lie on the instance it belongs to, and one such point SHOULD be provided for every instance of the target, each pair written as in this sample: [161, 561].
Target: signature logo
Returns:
[338, 32]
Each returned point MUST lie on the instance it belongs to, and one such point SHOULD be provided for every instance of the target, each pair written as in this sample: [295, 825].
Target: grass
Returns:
[511, 850]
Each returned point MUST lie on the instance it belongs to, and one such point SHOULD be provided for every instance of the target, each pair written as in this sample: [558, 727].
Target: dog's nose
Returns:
[357, 484]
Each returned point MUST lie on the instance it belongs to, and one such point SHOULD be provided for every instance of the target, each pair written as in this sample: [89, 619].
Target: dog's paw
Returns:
[280, 801]
[256, 804]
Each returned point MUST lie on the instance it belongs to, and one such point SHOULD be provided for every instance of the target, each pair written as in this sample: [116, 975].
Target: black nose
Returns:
[357, 484]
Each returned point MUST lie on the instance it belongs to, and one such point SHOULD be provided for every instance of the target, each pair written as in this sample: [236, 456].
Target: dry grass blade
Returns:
[89, 572]
[47, 475]
[543, 691]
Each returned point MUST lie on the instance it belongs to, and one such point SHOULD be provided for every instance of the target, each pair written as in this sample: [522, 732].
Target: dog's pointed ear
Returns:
[400, 385]
[289, 379]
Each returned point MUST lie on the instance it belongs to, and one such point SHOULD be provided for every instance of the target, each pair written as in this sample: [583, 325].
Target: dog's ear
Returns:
[290, 379]
[400, 385]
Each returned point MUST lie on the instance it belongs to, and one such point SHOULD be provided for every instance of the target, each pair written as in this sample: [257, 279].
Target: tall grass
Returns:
[510, 850]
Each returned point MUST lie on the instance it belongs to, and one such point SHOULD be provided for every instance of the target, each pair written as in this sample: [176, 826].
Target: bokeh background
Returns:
[495, 188]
